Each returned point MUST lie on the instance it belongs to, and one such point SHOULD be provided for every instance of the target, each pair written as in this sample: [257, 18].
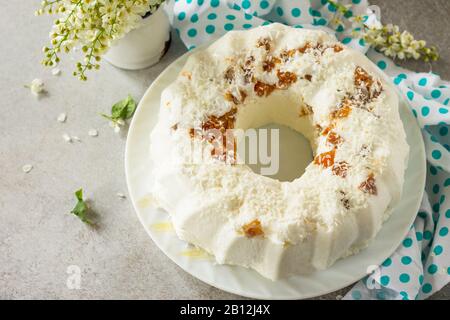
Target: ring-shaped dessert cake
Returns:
[308, 81]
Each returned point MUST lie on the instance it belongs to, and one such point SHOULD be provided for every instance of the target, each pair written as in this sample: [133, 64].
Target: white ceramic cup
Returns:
[143, 46]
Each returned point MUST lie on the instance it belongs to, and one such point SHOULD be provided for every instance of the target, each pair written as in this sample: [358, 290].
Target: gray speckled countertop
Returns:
[38, 238]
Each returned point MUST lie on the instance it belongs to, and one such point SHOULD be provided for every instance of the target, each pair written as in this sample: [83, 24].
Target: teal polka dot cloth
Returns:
[420, 265]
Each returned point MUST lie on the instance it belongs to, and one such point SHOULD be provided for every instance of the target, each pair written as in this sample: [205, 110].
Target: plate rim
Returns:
[139, 109]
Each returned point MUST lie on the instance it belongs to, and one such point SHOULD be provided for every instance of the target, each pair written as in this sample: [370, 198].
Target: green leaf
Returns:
[81, 209]
[130, 107]
[79, 194]
[123, 109]
[117, 109]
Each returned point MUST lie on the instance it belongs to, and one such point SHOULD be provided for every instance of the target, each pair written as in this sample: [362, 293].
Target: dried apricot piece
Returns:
[325, 159]
[264, 42]
[253, 229]
[337, 48]
[263, 89]
[236, 100]
[285, 79]
[340, 169]
[362, 78]
[305, 110]
[334, 138]
[270, 63]
[229, 75]
[286, 54]
[369, 186]
[342, 112]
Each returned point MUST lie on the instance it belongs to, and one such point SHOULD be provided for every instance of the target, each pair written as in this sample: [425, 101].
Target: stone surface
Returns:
[39, 239]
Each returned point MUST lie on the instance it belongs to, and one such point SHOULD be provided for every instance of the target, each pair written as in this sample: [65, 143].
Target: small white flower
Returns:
[394, 39]
[93, 132]
[62, 118]
[406, 38]
[357, 21]
[336, 21]
[415, 55]
[388, 51]
[67, 138]
[116, 125]
[379, 40]
[27, 168]
[36, 86]
[421, 43]
[56, 71]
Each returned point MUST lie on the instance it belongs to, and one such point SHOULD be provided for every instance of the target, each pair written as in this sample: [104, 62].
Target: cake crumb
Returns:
[67, 138]
[62, 118]
[93, 132]
[121, 195]
[27, 168]
[56, 71]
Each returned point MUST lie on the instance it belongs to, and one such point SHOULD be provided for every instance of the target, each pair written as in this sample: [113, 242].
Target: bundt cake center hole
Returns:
[280, 152]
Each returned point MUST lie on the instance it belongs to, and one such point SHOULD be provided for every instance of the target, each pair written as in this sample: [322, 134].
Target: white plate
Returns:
[243, 281]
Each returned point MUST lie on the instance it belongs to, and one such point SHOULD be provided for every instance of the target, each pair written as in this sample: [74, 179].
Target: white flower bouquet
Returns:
[92, 26]
[385, 38]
